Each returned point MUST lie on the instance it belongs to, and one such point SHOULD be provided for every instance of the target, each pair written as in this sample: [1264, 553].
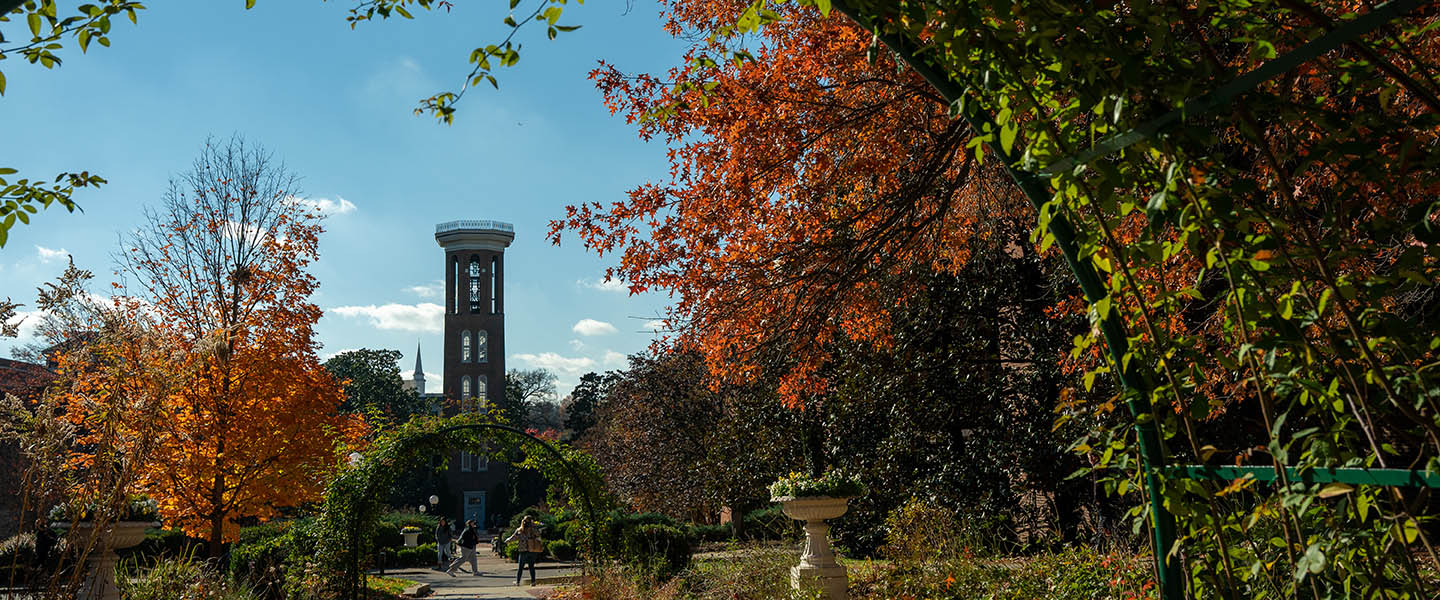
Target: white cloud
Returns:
[330, 355]
[433, 381]
[656, 325]
[433, 289]
[326, 206]
[613, 358]
[49, 255]
[557, 363]
[425, 316]
[577, 345]
[613, 285]
[593, 327]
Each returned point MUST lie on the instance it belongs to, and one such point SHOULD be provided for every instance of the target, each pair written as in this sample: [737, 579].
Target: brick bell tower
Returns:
[474, 367]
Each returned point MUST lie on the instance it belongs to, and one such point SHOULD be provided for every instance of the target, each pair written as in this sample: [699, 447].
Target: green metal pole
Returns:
[1136, 386]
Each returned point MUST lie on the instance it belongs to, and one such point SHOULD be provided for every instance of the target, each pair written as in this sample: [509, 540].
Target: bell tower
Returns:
[474, 367]
[474, 309]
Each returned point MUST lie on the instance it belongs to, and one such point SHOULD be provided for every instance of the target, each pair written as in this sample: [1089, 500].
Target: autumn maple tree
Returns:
[253, 424]
[801, 180]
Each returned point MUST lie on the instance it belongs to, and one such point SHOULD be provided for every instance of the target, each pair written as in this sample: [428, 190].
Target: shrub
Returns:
[656, 550]
[17, 558]
[178, 579]
[769, 524]
[712, 533]
[387, 535]
[407, 557]
[918, 532]
[512, 551]
[560, 549]
[400, 520]
[267, 556]
[163, 543]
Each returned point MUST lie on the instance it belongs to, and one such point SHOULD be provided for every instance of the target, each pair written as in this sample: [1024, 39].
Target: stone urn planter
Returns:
[412, 538]
[100, 583]
[817, 563]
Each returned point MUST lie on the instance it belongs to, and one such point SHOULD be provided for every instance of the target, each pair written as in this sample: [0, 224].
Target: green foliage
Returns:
[656, 550]
[163, 543]
[373, 386]
[832, 484]
[387, 535]
[181, 578]
[769, 523]
[272, 558]
[560, 550]
[19, 199]
[503, 53]
[1074, 574]
[587, 396]
[511, 551]
[712, 533]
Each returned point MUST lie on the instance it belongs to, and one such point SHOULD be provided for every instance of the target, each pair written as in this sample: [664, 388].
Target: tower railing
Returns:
[474, 224]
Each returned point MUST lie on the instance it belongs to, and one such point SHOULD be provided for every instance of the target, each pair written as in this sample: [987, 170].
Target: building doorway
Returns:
[475, 508]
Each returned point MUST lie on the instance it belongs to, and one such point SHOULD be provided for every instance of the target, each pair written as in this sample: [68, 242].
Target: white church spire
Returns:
[419, 376]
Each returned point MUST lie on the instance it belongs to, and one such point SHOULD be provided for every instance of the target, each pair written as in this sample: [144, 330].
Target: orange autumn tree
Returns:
[253, 425]
[810, 190]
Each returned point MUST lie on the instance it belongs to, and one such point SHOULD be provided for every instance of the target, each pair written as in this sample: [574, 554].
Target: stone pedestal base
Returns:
[831, 580]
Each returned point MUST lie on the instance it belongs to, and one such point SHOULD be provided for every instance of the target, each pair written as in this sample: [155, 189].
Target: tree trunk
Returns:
[217, 501]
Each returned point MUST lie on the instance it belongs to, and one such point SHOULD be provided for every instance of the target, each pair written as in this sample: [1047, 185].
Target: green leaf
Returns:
[1411, 530]
[1007, 136]
[34, 20]
[2, 84]
[1336, 489]
[824, 6]
[249, 4]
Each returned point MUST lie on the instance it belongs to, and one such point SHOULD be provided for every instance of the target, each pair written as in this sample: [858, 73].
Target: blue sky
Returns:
[335, 105]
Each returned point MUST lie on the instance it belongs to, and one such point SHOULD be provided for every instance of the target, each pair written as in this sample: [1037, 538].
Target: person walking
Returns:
[527, 537]
[442, 544]
[469, 538]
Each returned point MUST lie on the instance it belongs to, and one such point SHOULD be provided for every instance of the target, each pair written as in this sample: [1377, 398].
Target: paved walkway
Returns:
[495, 581]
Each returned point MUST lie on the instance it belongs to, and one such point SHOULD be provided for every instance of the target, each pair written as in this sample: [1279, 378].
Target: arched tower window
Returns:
[494, 272]
[464, 388]
[474, 274]
[483, 383]
[464, 346]
[482, 346]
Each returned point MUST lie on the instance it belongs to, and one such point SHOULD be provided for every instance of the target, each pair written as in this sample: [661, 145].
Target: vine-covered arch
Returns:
[347, 522]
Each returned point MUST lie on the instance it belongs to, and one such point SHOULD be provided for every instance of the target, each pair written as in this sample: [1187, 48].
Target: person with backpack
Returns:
[527, 537]
[468, 540]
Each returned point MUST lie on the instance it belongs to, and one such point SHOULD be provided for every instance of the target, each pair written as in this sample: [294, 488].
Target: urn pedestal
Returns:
[100, 583]
[411, 539]
[817, 563]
